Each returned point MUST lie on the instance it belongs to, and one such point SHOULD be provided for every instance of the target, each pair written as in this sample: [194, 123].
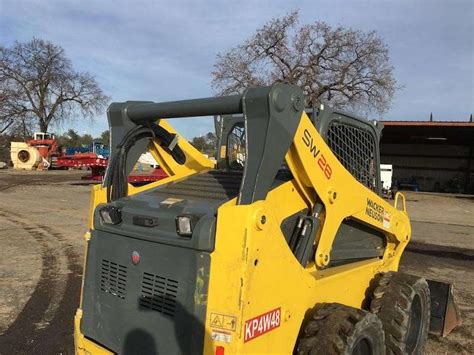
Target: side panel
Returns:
[128, 306]
[256, 273]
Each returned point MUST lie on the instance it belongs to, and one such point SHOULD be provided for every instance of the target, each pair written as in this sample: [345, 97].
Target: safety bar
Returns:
[186, 108]
[271, 116]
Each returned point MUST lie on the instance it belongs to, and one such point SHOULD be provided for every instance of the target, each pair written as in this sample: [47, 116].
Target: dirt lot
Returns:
[43, 218]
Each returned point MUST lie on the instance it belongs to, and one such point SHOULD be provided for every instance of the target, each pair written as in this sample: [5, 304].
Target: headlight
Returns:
[110, 215]
[185, 224]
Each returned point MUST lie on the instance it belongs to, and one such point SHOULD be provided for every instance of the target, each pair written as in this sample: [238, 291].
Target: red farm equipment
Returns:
[43, 153]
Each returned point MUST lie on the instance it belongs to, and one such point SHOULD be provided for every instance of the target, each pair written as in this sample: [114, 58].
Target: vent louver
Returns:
[113, 278]
[159, 294]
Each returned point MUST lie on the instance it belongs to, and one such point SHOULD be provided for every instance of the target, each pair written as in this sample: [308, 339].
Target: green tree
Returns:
[69, 139]
[105, 138]
[211, 140]
[199, 143]
[206, 144]
[73, 139]
[86, 140]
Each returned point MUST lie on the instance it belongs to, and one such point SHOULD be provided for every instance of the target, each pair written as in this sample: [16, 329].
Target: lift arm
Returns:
[271, 116]
[322, 178]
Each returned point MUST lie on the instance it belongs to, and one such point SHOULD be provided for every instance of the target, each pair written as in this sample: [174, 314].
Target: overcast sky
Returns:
[160, 50]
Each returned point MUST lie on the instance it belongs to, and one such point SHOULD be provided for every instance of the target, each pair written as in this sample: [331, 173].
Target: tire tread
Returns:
[331, 328]
[391, 301]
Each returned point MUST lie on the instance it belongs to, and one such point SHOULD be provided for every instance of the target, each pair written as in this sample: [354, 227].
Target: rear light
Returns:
[220, 350]
[185, 224]
[110, 215]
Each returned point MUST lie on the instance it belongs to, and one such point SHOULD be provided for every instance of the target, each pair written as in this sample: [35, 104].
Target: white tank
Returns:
[24, 157]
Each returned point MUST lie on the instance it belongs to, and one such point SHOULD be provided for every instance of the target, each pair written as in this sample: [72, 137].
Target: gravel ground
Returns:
[43, 217]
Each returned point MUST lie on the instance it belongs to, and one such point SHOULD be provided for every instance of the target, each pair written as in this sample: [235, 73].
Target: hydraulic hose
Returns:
[117, 182]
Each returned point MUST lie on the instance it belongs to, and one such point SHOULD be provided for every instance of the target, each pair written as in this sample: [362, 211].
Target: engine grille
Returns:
[214, 184]
[113, 278]
[159, 294]
[355, 149]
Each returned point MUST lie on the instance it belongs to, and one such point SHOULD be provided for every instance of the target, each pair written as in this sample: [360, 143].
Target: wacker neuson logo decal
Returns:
[262, 324]
[377, 212]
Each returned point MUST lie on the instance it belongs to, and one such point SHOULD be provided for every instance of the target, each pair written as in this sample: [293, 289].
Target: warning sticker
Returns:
[223, 321]
[171, 201]
[386, 220]
[262, 324]
[223, 151]
[218, 335]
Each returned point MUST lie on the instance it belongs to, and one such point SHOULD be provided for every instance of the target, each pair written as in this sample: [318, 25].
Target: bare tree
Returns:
[340, 66]
[38, 87]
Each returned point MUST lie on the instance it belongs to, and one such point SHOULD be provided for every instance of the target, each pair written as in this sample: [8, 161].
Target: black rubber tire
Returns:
[333, 328]
[402, 303]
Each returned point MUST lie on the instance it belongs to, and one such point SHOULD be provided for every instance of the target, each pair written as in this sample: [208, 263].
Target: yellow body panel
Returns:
[257, 265]
[195, 161]
[253, 271]
[82, 345]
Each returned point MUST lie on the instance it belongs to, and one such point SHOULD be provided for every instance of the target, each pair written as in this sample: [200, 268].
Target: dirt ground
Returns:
[43, 217]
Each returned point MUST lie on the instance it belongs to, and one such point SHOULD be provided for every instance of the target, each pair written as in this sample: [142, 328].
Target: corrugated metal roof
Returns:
[429, 123]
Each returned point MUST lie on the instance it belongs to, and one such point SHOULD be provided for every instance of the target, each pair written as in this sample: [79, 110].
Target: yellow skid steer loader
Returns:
[283, 246]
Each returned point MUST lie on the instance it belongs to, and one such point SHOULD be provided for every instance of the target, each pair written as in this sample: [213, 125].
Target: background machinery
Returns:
[284, 246]
[36, 153]
[43, 153]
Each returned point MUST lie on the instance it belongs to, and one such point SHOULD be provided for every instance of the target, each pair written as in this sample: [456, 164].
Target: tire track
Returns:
[441, 251]
[34, 331]
[10, 182]
[8, 186]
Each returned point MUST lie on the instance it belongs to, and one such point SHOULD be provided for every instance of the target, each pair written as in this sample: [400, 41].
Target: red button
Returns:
[135, 257]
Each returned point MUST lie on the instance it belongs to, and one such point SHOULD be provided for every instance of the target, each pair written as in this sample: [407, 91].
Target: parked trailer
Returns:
[42, 152]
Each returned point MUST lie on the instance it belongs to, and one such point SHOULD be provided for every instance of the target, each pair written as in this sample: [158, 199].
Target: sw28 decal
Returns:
[262, 324]
[322, 162]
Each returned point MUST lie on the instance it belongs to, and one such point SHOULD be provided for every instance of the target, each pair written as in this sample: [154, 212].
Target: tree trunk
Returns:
[43, 126]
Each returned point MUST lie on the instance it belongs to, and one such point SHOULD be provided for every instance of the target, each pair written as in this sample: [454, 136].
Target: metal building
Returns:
[430, 156]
